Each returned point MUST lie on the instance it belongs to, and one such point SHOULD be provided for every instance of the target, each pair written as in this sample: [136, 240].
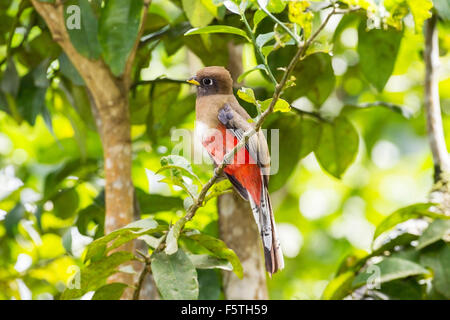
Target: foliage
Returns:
[52, 211]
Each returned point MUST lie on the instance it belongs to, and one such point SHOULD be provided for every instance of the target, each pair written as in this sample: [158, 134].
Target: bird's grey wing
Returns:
[256, 144]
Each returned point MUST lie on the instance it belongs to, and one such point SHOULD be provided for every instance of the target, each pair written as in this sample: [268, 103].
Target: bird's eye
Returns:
[207, 81]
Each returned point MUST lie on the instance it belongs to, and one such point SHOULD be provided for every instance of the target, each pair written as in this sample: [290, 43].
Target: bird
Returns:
[220, 124]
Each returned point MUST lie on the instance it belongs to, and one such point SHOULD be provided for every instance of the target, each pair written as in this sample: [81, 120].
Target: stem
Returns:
[289, 31]
[144, 82]
[258, 50]
[432, 105]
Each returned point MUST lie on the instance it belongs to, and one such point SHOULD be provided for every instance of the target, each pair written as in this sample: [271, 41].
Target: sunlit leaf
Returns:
[247, 95]
[389, 269]
[401, 215]
[197, 13]
[437, 230]
[218, 29]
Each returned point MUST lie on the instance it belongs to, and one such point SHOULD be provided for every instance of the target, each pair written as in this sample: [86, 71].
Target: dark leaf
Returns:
[112, 291]
[338, 146]
[82, 26]
[118, 29]
[314, 79]
[377, 65]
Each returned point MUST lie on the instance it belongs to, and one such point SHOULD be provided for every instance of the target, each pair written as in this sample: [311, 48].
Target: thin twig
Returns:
[132, 55]
[258, 50]
[146, 270]
[157, 80]
[281, 24]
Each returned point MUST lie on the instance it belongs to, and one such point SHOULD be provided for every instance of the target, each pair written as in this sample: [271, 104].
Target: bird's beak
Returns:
[193, 80]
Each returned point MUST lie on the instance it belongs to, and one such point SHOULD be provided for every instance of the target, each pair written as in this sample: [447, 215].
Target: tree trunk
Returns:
[110, 97]
[441, 190]
[238, 229]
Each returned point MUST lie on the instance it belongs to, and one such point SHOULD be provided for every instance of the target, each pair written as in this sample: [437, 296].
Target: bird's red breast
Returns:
[243, 167]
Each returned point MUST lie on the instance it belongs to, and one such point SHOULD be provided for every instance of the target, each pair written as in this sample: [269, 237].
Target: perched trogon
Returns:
[220, 124]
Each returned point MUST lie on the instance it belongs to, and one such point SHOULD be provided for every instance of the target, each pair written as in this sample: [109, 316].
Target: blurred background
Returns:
[320, 218]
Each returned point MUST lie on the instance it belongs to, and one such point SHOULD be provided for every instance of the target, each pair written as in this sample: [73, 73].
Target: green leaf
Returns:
[281, 105]
[377, 65]
[65, 203]
[231, 6]
[118, 30]
[339, 287]
[111, 291]
[421, 11]
[218, 29]
[403, 289]
[13, 218]
[76, 167]
[84, 38]
[175, 162]
[389, 269]
[219, 249]
[338, 146]
[258, 17]
[163, 101]
[437, 230]
[437, 257]
[401, 215]
[315, 79]
[175, 276]
[99, 247]
[210, 284]
[247, 95]
[205, 261]
[218, 188]
[68, 70]
[93, 213]
[95, 274]
[31, 99]
[442, 8]
[197, 13]
[246, 73]
[263, 38]
[202, 47]
[67, 240]
[274, 6]
[10, 79]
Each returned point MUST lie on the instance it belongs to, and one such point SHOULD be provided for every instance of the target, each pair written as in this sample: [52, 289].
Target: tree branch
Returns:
[432, 105]
[145, 270]
[276, 95]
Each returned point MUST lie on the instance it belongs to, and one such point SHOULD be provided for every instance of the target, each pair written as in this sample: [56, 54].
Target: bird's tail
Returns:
[265, 220]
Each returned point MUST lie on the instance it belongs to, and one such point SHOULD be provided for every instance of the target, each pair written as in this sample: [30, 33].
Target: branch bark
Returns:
[432, 104]
[110, 96]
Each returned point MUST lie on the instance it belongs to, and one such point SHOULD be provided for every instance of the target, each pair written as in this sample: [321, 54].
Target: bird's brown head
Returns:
[212, 80]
